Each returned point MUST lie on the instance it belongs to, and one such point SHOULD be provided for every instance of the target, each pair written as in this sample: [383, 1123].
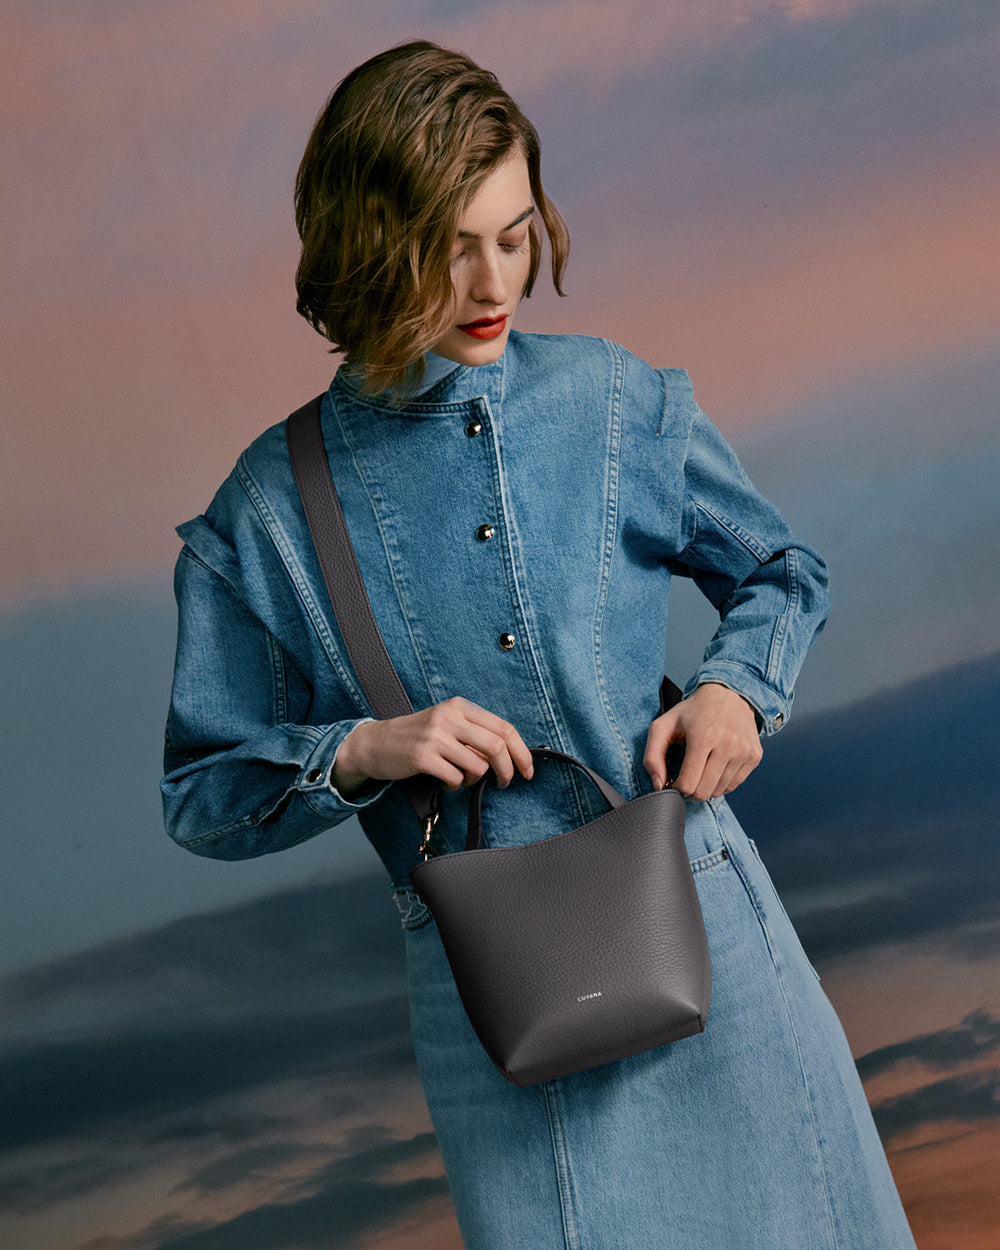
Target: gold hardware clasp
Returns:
[425, 845]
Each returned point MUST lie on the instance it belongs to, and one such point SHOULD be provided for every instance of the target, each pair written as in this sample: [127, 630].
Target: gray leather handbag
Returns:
[569, 952]
[579, 949]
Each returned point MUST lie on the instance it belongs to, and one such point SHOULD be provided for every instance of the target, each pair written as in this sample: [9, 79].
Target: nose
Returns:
[488, 286]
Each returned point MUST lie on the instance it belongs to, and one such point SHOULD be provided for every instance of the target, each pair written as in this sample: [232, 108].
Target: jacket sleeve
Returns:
[246, 773]
[769, 589]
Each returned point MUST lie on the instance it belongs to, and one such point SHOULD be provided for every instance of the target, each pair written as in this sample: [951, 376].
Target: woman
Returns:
[518, 504]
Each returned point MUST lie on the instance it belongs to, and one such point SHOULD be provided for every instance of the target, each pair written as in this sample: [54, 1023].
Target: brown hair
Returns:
[403, 144]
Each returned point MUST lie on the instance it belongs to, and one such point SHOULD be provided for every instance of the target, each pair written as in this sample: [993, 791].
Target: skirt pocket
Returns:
[776, 897]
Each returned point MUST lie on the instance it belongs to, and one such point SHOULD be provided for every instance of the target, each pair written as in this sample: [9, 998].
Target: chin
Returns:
[468, 351]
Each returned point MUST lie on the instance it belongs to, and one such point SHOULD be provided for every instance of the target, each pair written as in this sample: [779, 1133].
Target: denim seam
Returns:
[560, 1158]
[710, 861]
[188, 553]
[297, 576]
[792, 595]
[279, 680]
[673, 381]
[185, 757]
[395, 565]
[251, 821]
[419, 406]
[742, 536]
[663, 407]
[608, 550]
[793, 1033]
[540, 678]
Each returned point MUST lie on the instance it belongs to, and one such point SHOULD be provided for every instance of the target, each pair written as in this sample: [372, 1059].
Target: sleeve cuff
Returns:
[772, 710]
[314, 781]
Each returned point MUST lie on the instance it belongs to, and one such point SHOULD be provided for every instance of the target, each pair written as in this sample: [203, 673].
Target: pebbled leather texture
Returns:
[579, 949]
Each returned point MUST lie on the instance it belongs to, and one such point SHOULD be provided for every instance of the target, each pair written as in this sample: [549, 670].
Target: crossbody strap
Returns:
[345, 586]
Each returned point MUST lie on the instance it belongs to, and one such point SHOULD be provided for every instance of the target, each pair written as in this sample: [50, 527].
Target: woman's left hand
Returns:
[722, 745]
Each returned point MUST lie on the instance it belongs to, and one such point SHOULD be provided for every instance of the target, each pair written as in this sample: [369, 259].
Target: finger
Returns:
[511, 747]
[689, 779]
[736, 767]
[515, 751]
[658, 740]
[727, 779]
[450, 775]
[491, 749]
[473, 763]
[709, 784]
[474, 750]
[741, 775]
[441, 754]
[521, 755]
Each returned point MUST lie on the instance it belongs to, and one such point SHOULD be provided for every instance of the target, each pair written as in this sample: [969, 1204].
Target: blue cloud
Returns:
[970, 1099]
[84, 686]
[351, 1197]
[171, 1040]
[781, 103]
[893, 479]
[976, 1036]
[878, 820]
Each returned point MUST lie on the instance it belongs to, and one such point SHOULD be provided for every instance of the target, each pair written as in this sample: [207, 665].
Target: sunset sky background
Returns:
[797, 201]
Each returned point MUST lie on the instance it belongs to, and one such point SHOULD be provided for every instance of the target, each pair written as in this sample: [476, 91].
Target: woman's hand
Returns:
[722, 745]
[455, 741]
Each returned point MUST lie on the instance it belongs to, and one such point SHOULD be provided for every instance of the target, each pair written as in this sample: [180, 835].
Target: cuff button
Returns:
[314, 775]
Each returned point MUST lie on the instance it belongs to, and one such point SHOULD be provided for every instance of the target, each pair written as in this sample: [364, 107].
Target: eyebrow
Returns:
[467, 234]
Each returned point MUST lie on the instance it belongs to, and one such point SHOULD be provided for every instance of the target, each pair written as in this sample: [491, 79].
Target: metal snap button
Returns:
[473, 428]
[779, 720]
[485, 533]
[506, 641]
[314, 775]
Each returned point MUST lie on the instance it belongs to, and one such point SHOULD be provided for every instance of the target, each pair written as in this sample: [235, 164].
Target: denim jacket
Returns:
[517, 527]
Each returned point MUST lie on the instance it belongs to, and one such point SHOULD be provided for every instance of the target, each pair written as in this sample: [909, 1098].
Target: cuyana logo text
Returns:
[582, 998]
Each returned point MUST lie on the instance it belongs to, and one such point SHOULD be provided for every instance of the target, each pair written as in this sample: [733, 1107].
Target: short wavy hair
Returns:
[401, 147]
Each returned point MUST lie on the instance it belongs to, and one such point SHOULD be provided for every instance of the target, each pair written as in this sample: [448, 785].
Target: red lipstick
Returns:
[485, 327]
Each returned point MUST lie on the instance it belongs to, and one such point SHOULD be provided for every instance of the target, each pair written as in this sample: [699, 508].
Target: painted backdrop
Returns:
[796, 200]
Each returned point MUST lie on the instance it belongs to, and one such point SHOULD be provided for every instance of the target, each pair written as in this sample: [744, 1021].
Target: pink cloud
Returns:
[150, 245]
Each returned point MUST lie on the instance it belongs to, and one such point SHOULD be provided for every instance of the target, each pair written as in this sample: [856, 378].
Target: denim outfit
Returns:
[517, 526]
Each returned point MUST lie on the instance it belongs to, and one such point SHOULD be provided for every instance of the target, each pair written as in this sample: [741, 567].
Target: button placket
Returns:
[485, 532]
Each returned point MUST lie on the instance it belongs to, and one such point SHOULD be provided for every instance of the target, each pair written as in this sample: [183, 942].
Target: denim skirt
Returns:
[753, 1135]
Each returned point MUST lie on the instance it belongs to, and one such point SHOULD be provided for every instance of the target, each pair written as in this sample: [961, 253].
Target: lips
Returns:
[485, 327]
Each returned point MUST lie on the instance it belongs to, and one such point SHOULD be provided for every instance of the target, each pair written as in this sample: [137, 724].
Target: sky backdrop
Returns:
[795, 201]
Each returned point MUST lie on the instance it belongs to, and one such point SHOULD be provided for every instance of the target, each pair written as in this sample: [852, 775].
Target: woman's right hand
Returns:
[455, 741]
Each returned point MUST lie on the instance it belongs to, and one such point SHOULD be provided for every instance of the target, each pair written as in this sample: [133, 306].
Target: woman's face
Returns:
[490, 259]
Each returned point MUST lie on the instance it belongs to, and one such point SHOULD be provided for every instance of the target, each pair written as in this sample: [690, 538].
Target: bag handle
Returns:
[472, 841]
